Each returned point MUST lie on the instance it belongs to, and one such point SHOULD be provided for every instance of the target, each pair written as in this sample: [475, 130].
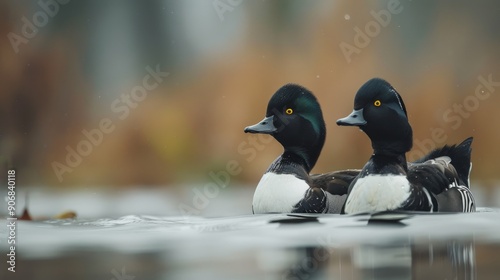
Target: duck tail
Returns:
[461, 159]
[460, 156]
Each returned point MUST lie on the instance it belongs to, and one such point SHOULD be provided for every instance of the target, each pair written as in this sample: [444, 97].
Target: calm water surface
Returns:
[447, 246]
[274, 246]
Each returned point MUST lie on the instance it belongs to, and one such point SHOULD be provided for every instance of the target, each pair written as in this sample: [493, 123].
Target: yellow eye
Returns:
[377, 103]
[289, 111]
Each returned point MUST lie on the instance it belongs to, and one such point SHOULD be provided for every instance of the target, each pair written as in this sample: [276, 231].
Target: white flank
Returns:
[375, 193]
[278, 193]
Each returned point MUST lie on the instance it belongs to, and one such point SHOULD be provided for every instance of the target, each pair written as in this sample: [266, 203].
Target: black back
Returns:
[460, 156]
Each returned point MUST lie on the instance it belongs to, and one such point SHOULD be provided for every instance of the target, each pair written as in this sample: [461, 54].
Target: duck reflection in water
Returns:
[414, 259]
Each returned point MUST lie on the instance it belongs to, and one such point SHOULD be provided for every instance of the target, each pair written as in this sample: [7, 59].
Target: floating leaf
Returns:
[66, 215]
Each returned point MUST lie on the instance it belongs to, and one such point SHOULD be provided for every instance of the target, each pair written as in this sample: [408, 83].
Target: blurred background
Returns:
[66, 67]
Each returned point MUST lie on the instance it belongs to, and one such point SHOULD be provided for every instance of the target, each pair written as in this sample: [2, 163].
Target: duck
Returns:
[438, 182]
[294, 118]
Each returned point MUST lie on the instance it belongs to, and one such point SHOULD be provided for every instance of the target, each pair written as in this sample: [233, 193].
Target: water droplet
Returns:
[347, 17]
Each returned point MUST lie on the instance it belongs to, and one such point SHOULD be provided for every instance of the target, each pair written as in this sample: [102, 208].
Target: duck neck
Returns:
[307, 154]
[291, 162]
[306, 158]
[299, 158]
[386, 164]
[392, 141]
[392, 148]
